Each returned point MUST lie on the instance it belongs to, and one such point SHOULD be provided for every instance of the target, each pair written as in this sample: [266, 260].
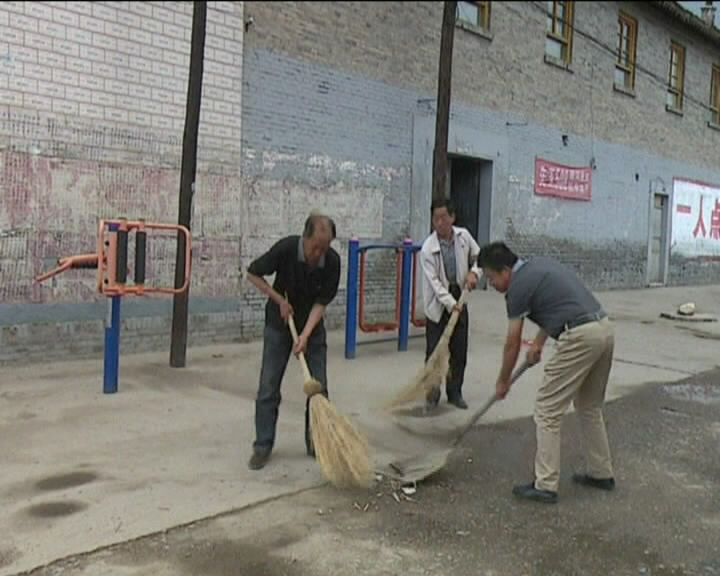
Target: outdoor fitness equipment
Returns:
[405, 293]
[111, 261]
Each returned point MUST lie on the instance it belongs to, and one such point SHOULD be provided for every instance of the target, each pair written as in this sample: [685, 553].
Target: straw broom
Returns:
[434, 374]
[343, 453]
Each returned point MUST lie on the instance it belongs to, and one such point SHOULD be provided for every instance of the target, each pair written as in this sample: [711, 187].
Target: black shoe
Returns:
[601, 483]
[529, 492]
[258, 460]
[458, 402]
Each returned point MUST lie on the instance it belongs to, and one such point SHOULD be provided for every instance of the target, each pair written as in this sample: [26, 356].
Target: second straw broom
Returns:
[434, 373]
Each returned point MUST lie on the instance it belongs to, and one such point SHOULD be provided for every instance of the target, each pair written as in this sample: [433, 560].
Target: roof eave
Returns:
[711, 33]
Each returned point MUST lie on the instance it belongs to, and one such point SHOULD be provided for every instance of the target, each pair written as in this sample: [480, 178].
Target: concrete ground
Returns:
[155, 478]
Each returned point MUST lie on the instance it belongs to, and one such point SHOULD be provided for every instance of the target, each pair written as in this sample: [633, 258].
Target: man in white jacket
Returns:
[448, 258]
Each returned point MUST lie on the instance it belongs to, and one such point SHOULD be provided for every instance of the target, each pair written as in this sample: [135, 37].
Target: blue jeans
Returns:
[277, 349]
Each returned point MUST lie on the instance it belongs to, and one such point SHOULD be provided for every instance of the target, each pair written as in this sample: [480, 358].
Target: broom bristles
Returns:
[430, 377]
[436, 367]
[342, 452]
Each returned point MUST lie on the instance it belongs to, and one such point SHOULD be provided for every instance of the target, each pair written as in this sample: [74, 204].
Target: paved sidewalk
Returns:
[661, 520]
[82, 470]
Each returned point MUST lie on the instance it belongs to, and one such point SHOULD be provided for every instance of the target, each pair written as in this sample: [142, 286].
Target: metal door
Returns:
[658, 239]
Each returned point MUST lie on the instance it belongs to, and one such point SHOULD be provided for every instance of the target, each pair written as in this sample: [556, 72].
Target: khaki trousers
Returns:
[577, 372]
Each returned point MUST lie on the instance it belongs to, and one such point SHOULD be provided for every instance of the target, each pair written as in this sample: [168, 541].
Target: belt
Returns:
[584, 319]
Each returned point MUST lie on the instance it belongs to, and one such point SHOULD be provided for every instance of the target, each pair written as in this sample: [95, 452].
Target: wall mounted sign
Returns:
[561, 181]
[695, 218]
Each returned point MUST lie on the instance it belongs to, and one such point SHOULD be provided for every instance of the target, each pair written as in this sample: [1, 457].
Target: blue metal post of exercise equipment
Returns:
[351, 304]
[112, 339]
[405, 285]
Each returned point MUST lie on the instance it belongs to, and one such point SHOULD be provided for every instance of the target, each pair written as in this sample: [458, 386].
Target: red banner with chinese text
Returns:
[571, 182]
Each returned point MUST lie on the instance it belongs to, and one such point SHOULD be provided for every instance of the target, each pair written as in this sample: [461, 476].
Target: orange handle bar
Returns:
[87, 261]
[114, 289]
[104, 260]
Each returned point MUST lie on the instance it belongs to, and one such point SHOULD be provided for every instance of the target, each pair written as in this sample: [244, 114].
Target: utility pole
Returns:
[178, 339]
[442, 119]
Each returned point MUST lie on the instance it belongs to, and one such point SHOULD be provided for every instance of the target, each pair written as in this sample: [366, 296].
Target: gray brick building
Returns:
[354, 84]
[560, 143]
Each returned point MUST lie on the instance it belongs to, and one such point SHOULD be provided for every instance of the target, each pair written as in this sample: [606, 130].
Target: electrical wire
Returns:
[658, 79]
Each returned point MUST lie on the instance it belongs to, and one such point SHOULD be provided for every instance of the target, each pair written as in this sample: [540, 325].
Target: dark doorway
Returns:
[471, 193]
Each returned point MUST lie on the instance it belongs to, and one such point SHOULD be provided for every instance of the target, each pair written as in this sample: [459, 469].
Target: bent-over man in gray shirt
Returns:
[553, 297]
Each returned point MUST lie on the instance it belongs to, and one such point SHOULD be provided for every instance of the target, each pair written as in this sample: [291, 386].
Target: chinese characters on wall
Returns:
[700, 230]
[570, 182]
[695, 218]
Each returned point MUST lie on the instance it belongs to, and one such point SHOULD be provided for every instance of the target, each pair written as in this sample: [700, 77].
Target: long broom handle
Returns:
[456, 313]
[454, 317]
[464, 430]
[303, 362]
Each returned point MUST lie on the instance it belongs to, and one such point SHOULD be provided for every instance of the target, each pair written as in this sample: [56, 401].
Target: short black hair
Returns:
[496, 256]
[442, 203]
[311, 222]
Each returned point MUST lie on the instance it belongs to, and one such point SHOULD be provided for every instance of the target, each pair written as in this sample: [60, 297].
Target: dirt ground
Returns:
[663, 519]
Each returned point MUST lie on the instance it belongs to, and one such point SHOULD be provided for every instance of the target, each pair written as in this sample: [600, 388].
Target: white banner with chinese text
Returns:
[695, 219]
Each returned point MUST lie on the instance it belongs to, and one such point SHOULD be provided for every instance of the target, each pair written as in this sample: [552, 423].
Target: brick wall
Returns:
[92, 108]
[314, 137]
[509, 105]
[334, 114]
[399, 44]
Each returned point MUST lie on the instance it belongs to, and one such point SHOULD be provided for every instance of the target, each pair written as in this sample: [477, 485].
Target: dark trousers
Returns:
[277, 349]
[458, 347]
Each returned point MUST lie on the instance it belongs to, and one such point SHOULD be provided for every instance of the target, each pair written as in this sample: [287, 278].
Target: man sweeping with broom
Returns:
[307, 274]
[553, 297]
[447, 256]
